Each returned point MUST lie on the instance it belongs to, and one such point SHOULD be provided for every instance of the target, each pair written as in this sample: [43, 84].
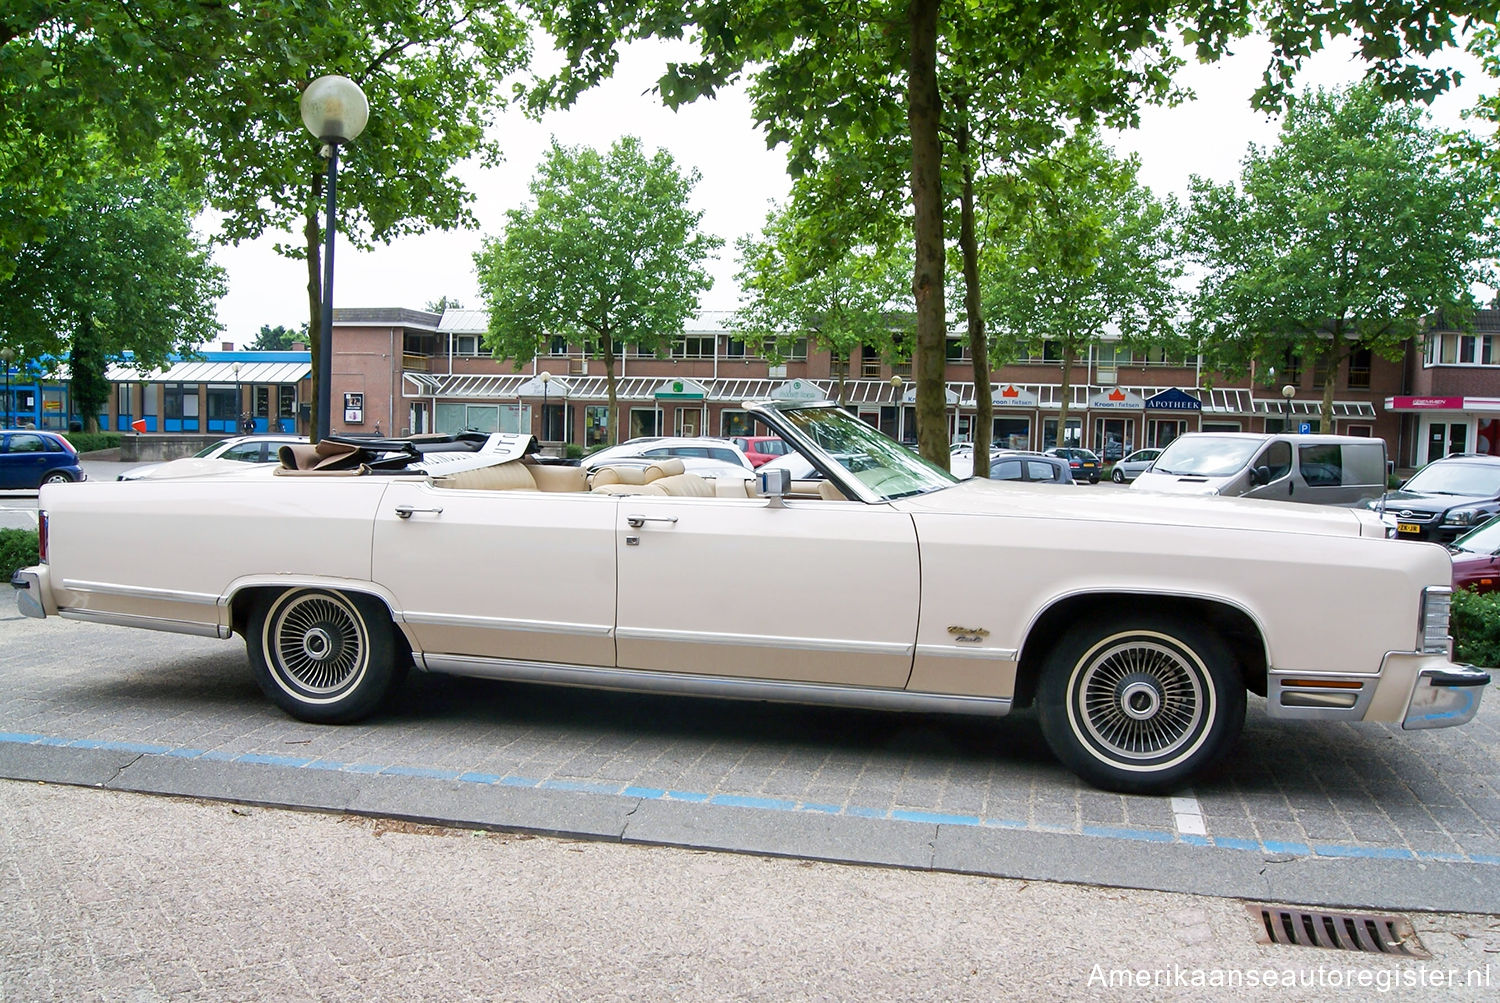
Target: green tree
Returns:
[1087, 250]
[278, 338]
[607, 253]
[798, 283]
[116, 269]
[443, 303]
[1348, 234]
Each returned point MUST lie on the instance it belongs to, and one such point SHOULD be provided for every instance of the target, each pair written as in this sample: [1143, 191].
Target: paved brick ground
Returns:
[1324, 791]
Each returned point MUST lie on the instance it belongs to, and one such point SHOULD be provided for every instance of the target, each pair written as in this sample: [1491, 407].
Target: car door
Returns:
[809, 590]
[24, 460]
[514, 575]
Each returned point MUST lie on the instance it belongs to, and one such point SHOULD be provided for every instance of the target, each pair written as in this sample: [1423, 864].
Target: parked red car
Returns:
[1476, 558]
[761, 448]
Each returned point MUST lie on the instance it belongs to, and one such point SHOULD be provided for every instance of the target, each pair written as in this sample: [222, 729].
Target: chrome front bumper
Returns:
[1445, 698]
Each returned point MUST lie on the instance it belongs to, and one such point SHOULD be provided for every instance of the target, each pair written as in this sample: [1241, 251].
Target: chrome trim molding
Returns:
[765, 641]
[947, 651]
[503, 623]
[140, 592]
[219, 631]
[721, 687]
[1311, 703]
[1445, 697]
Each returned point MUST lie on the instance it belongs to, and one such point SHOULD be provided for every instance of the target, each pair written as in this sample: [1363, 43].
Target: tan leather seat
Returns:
[685, 486]
[559, 478]
[829, 491]
[513, 476]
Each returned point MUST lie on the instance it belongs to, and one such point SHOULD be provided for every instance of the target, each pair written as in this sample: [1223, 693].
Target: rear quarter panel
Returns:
[172, 549]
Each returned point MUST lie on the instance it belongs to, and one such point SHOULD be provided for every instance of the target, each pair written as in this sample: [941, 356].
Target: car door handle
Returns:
[637, 521]
[405, 511]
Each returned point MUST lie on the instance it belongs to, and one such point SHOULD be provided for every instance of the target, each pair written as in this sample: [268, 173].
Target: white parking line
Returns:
[1187, 815]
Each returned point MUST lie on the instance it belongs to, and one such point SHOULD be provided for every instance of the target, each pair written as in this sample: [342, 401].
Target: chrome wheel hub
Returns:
[1140, 699]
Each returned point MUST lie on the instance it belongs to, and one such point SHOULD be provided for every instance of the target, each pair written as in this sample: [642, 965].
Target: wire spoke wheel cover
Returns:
[320, 644]
[1140, 704]
[324, 655]
[1141, 698]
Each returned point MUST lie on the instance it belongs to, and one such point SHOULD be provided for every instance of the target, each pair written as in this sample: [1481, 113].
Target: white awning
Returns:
[214, 372]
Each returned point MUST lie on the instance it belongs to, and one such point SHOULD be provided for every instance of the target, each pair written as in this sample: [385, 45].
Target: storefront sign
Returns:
[1173, 400]
[798, 390]
[1012, 396]
[681, 390]
[1116, 400]
[1426, 404]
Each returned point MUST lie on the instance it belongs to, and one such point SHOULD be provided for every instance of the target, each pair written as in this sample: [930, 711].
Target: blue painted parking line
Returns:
[1334, 850]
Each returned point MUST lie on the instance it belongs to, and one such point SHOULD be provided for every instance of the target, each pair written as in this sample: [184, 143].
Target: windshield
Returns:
[1456, 479]
[1205, 456]
[886, 467]
[1483, 540]
[206, 450]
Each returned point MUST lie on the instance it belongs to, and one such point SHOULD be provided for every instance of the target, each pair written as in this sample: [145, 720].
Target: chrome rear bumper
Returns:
[1445, 698]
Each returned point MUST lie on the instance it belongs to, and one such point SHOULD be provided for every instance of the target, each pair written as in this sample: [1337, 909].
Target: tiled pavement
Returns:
[1409, 812]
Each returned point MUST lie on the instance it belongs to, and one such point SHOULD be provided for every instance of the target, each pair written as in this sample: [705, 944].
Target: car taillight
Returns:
[41, 537]
[68, 445]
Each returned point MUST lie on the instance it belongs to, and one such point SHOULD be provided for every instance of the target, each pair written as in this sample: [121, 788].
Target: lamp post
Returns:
[335, 111]
[896, 384]
[1289, 392]
[546, 378]
[7, 355]
[239, 403]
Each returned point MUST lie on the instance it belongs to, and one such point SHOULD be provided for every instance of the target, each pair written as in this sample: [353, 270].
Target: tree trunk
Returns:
[612, 423]
[1331, 361]
[312, 232]
[979, 352]
[1070, 355]
[923, 115]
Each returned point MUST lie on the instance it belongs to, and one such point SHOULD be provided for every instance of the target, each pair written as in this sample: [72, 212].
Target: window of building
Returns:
[694, 346]
[956, 349]
[644, 421]
[595, 425]
[798, 350]
[735, 422]
[223, 409]
[1359, 369]
[1453, 349]
[734, 348]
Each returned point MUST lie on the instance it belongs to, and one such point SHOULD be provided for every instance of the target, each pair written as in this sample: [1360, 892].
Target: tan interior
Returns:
[665, 477]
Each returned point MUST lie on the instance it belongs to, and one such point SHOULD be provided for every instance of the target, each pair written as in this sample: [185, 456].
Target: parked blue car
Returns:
[29, 459]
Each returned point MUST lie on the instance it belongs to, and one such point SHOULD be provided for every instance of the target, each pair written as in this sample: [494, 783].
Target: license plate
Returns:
[1412, 528]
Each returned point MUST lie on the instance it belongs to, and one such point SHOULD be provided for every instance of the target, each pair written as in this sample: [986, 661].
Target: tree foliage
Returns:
[1084, 251]
[277, 339]
[116, 268]
[1349, 233]
[217, 84]
[607, 253]
[799, 281]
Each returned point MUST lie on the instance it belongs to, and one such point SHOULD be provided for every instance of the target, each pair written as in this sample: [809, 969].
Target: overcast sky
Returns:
[740, 179]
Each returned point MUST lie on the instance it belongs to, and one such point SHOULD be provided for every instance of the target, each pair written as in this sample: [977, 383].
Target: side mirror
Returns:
[774, 484]
[1259, 476]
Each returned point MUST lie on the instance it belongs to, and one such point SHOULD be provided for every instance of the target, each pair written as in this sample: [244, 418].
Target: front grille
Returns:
[1392, 935]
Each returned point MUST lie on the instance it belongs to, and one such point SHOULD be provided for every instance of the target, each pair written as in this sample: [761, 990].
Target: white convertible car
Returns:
[1136, 623]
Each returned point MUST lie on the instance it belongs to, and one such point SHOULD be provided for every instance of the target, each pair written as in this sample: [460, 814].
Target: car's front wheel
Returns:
[324, 656]
[57, 477]
[1140, 704]
[1118, 476]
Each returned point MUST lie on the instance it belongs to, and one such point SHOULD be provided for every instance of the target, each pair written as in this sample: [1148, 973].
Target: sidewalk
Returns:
[122, 896]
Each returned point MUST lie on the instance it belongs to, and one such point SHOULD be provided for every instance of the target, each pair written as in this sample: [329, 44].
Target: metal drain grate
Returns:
[1339, 931]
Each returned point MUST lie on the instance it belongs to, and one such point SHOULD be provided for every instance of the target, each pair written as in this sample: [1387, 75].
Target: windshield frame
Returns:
[907, 473]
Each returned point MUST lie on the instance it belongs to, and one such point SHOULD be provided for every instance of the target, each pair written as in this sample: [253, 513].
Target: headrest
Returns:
[669, 466]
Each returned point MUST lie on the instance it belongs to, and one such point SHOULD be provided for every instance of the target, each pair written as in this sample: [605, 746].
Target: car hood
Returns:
[193, 466]
[1394, 501]
[1069, 503]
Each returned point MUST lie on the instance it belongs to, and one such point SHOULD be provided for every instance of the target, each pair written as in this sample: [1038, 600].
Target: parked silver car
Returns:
[1134, 465]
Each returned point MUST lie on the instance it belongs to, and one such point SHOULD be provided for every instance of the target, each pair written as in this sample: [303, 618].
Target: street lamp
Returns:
[239, 403]
[546, 378]
[1289, 392]
[335, 111]
[7, 355]
[896, 384]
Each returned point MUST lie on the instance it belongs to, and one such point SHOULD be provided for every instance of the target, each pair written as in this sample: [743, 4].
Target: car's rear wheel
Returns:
[1118, 476]
[324, 656]
[1141, 704]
